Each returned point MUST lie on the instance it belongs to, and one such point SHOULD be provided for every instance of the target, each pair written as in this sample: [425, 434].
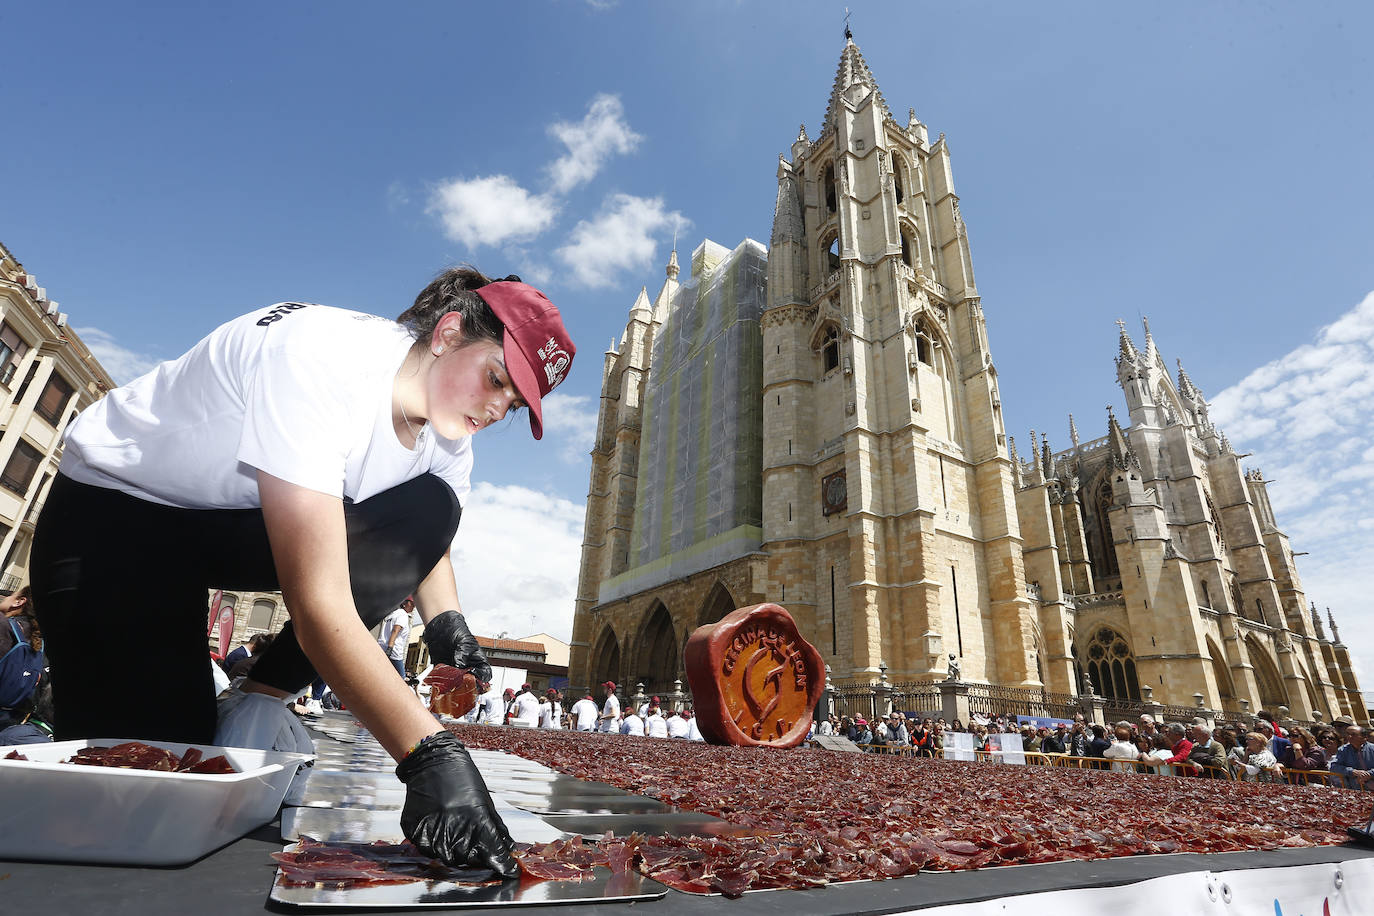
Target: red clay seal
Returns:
[754, 679]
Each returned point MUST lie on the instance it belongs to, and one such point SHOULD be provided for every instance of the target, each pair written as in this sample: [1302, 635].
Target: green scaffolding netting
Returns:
[699, 496]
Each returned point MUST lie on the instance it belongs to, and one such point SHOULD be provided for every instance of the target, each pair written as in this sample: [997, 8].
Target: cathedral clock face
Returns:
[834, 493]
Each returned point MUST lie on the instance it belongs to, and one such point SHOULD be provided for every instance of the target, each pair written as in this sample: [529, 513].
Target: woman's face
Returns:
[468, 389]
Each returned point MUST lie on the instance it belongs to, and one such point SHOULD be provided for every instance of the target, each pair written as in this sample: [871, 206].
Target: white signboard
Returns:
[1007, 748]
[959, 746]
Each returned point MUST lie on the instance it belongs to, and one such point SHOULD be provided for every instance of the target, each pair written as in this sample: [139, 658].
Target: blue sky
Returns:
[168, 166]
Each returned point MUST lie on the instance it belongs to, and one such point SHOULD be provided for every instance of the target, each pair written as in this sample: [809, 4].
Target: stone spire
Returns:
[1128, 352]
[1186, 388]
[1036, 475]
[1073, 432]
[1015, 461]
[1122, 454]
[1335, 633]
[1317, 621]
[641, 310]
[853, 81]
[1151, 353]
[1046, 458]
[787, 215]
[664, 300]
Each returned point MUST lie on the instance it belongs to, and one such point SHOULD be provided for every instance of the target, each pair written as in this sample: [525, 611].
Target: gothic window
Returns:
[1101, 550]
[832, 255]
[1206, 595]
[897, 168]
[1214, 517]
[830, 189]
[925, 345]
[906, 249]
[830, 349]
[1109, 662]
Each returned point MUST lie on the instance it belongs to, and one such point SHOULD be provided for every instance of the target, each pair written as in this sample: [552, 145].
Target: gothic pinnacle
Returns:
[1186, 388]
[1073, 432]
[1128, 350]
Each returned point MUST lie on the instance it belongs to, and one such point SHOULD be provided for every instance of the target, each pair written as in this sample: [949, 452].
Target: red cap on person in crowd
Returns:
[551, 692]
[536, 345]
[510, 691]
[524, 686]
[610, 684]
[860, 721]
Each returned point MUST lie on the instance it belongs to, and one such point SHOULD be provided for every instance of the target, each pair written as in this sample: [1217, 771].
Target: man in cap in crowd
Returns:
[862, 735]
[526, 708]
[654, 725]
[693, 732]
[632, 724]
[610, 710]
[584, 714]
[677, 726]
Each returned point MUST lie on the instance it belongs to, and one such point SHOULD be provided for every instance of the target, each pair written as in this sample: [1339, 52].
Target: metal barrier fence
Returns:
[991, 700]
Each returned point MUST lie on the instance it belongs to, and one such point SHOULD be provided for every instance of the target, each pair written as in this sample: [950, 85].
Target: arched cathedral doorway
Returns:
[660, 658]
[606, 659]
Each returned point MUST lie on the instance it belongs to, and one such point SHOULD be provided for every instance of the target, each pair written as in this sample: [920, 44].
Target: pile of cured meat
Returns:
[135, 755]
[823, 816]
[348, 865]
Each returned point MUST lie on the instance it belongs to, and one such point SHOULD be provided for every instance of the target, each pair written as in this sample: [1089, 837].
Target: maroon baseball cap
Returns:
[536, 345]
[610, 684]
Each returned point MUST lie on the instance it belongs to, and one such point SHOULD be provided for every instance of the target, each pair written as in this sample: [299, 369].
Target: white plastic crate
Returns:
[53, 811]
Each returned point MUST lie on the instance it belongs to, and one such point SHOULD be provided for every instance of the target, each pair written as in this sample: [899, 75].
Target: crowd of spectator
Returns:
[523, 709]
[1336, 754]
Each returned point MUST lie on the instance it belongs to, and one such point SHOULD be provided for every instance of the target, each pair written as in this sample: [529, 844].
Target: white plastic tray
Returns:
[53, 811]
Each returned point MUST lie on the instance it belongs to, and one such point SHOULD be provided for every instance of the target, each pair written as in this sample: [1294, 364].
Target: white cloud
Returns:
[491, 210]
[123, 364]
[571, 418]
[619, 238]
[516, 558]
[1308, 417]
[601, 134]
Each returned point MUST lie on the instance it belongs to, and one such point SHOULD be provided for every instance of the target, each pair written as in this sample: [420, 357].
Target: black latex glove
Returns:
[448, 813]
[452, 643]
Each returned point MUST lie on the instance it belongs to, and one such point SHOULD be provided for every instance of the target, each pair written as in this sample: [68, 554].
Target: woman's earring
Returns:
[439, 352]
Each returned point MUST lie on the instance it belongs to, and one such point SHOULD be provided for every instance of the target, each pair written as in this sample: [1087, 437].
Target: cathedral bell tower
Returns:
[889, 516]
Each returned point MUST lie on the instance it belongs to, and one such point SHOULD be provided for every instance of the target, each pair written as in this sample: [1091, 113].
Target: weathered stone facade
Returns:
[897, 524]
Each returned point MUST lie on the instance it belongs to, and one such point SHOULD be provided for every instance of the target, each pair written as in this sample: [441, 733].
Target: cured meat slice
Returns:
[452, 691]
[349, 865]
[135, 755]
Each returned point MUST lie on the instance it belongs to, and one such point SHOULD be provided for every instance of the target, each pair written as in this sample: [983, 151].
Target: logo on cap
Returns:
[556, 362]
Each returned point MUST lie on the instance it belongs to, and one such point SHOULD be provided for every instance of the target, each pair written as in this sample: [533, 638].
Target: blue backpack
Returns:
[20, 669]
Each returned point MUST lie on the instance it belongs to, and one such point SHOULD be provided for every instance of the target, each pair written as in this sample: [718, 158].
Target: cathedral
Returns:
[818, 423]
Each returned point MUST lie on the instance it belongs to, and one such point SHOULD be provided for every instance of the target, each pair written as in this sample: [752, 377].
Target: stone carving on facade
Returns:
[953, 674]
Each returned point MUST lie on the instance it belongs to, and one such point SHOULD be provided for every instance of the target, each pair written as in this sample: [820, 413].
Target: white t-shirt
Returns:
[656, 726]
[300, 391]
[493, 707]
[527, 709]
[677, 726]
[584, 713]
[632, 725]
[693, 733]
[550, 714]
[399, 621]
[611, 708]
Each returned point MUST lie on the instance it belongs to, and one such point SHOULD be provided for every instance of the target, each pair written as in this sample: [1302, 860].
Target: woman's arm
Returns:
[309, 546]
[439, 591]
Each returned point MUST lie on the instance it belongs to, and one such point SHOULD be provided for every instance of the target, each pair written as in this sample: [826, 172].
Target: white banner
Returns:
[1334, 889]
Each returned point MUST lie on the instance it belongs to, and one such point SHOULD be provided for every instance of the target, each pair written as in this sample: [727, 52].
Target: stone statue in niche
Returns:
[953, 668]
